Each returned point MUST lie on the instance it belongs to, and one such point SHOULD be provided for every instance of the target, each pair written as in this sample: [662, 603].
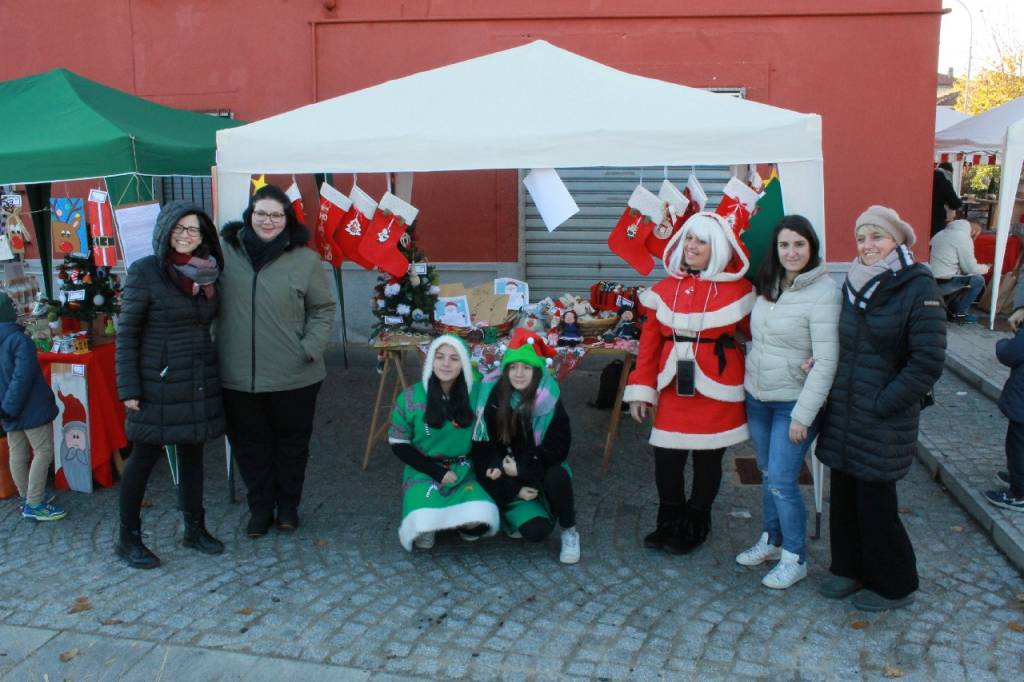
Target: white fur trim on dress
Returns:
[460, 348]
[695, 322]
[427, 520]
[639, 393]
[699, 441]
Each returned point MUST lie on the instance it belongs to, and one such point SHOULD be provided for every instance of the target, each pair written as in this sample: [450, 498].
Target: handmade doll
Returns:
[569, 331]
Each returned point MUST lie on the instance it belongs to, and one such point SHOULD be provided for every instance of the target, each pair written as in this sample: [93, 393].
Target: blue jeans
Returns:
[784, 516]
[974, 284]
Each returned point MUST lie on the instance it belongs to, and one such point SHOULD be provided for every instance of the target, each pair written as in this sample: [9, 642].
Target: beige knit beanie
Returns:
[888, 221]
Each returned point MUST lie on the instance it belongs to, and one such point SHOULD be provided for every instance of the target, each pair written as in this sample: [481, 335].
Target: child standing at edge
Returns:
[1010, 352]
[27, 409]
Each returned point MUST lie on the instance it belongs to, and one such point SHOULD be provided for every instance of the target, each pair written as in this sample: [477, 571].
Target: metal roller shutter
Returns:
[576, 255]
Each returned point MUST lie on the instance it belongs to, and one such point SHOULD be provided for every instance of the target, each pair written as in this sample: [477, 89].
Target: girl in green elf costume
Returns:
[521, 441]
[431, 431]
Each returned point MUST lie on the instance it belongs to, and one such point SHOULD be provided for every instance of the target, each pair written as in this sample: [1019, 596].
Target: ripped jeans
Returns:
[784, 516]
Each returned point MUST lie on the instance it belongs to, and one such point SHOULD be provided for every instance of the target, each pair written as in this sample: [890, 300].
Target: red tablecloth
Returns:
[985, 251]
[106, 412]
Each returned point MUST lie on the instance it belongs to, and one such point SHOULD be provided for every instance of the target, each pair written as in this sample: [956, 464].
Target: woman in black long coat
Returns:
[892, 346]
[167, 371]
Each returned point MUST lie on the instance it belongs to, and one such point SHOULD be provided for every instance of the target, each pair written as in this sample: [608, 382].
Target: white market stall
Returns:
[999, 131]
[534, 106]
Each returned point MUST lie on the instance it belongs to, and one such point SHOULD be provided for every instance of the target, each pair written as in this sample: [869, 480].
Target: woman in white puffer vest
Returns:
[790, 367]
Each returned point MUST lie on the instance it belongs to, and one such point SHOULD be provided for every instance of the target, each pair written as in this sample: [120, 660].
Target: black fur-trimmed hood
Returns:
[298, 235]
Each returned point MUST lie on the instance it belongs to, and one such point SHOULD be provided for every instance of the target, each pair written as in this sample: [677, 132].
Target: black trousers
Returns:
[136, 475]
[558, 492]
[1015, 457]
[670, 476]
[868, 540]
[269, 435]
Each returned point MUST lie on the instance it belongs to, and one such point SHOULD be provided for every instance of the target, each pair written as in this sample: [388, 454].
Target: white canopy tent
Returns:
[999, 131]
[534, 106]
[947, 116]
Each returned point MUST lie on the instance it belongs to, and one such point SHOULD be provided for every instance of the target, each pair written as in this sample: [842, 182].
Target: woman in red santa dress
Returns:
[689, 372]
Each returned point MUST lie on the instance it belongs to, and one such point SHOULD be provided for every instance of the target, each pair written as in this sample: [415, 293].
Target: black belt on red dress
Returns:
[721, 343]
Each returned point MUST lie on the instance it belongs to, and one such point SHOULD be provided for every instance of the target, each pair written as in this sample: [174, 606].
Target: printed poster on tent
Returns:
[72, 449]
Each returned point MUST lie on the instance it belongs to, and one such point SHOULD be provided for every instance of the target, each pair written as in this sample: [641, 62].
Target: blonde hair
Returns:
[706, 227]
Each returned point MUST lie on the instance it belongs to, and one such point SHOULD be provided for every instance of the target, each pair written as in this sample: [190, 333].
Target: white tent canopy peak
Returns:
[533, 106]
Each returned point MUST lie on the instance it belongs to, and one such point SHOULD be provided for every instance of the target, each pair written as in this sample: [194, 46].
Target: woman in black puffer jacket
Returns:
[892, 346]
[167, 371]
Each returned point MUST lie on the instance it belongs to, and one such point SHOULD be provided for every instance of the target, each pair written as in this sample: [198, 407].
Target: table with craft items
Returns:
[103, 416]
[392, 383]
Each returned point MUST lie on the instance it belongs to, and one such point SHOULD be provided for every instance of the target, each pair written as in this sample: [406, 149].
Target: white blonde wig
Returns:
[707, 227]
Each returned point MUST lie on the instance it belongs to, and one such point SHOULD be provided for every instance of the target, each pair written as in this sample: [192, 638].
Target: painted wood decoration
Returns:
[71, 438]
[67, 225]
[101, 227]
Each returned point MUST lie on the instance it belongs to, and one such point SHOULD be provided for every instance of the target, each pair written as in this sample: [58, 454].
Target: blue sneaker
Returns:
[43, 512]
[1002, 498]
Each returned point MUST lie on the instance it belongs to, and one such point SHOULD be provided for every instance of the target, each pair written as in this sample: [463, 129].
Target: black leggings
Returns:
[136, 474]
[670, 476]
[558, 493]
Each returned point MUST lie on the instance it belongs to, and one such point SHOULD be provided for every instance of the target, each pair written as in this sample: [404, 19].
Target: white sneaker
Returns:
[467, 537]
[570, 546]
[787, 572]
[758, 554]
[424, 540]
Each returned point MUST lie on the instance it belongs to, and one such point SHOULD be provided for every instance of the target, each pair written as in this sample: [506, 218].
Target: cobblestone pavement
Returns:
[971, 354]
[341, 591]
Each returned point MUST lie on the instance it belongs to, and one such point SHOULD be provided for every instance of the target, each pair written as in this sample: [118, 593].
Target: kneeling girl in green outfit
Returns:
[431, 431]
[521, 441]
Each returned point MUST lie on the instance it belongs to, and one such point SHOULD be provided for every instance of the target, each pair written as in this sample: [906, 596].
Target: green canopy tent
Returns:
[59, 126]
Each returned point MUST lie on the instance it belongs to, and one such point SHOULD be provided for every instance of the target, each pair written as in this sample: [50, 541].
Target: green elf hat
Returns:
[528, 347]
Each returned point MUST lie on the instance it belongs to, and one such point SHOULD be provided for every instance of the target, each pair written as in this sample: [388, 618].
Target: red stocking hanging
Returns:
[737, 204]
[349, 234]
[380, 245]
[628, 237]
[333, 206]
[101, 228]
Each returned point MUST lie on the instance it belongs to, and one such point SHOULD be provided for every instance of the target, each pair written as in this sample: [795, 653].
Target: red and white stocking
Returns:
[333, 207]
[380, 244]
[349, 234]
[628, 237]
[738, 203]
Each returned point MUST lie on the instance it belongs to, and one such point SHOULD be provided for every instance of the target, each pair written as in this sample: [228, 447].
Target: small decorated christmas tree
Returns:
[87, 291]
[405, 305]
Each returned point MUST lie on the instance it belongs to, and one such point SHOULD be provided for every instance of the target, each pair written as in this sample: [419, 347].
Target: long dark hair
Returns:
[455, 409]
[507, 421]
[771, 271]
[298, 234]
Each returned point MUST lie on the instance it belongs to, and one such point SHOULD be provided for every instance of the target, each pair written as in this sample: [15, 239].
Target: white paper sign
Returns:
[551, 196]
[135, 228]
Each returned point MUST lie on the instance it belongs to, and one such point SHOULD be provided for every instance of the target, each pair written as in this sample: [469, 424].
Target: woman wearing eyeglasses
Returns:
[272, 334]
[167, 371]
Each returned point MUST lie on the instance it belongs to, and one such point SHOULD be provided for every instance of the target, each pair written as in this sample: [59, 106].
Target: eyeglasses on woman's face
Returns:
[263, 216]
[187, 230]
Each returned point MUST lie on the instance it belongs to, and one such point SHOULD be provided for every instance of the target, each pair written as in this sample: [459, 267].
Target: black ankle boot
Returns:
[196, 535]
[259, 523]
[668, 519]
[130, 548]
[692, 532]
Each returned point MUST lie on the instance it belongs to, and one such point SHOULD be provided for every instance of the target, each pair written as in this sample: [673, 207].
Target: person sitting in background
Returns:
[945, 200]
[955, 268]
